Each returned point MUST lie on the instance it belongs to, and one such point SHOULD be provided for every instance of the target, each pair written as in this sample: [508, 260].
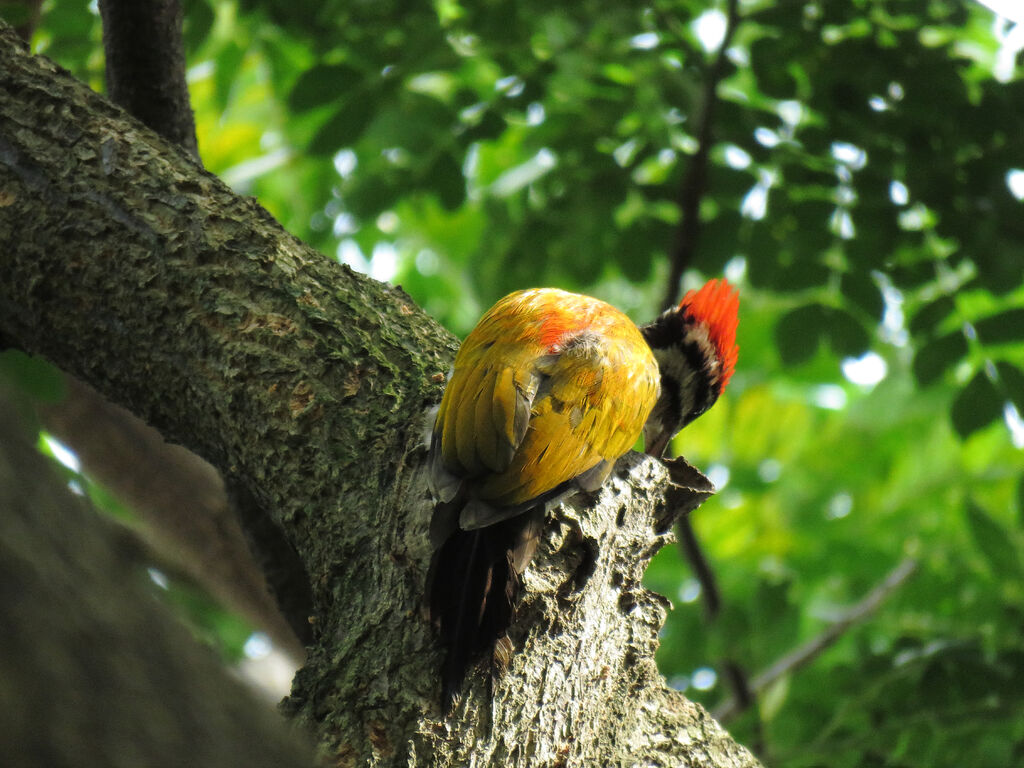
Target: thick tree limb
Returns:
[307, 385]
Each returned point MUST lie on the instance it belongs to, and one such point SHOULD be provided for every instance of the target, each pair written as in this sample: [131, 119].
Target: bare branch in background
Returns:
[813, 648]
[179, 498]
[684, 247]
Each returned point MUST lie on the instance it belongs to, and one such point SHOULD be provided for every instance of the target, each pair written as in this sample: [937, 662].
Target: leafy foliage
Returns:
[865, 189]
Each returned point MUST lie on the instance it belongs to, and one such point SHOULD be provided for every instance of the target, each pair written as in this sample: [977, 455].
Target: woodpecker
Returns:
[547, 392]
[695, 346]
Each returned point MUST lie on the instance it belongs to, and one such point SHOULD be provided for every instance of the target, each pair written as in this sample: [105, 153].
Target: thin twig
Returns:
[702, 570]
[810, 650]
[694, 183]
[691, 190]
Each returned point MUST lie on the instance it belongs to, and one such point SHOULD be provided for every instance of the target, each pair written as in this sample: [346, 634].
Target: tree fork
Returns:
[305, 383]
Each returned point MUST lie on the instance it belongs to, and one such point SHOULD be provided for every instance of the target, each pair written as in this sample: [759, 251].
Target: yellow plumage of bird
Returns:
[547, 392]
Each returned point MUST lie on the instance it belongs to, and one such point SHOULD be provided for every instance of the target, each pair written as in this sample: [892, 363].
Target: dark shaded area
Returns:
[285, 574]
[102, 676]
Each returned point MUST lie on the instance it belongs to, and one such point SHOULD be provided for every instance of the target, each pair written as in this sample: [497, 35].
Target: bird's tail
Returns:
[474, 584]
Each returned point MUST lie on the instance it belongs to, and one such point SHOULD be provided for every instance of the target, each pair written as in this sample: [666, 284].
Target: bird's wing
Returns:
[485, 413]
[590, 407]
[548, 387]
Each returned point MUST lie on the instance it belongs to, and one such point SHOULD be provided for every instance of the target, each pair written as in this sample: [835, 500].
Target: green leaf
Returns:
[847, 336]
[345, 127]
[771, 701]
[977, 405]
[227, 65]
[862, 291]
[33, 375]
[14, 14]
[198, 21]
[937, 356]
[323, 84]
[1004, 327]
[801, 330]
[994, 542]
[1020, 501]
[446, 179]
[798, 333]
[930, 316]
[1011, 382]
[488, 126]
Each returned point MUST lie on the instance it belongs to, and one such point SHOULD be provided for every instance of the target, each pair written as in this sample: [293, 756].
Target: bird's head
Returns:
[695, 346]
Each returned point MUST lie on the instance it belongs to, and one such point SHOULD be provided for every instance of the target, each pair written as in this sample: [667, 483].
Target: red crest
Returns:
[717, 304]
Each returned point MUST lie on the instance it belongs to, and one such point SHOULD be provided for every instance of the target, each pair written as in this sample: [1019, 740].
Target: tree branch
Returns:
[684, 247]
[308, 385]
[694, 184]
[814, 647]
[146, 66]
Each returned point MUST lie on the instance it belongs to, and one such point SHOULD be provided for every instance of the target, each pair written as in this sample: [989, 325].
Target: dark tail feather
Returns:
[474, 584]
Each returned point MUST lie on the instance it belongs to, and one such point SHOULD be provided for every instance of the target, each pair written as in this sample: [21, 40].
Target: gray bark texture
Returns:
[307, 385]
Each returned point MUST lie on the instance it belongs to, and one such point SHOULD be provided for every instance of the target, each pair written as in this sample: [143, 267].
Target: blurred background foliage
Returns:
[864, 191]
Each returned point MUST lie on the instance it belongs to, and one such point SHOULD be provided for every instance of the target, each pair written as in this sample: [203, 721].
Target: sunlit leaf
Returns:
[225, 73]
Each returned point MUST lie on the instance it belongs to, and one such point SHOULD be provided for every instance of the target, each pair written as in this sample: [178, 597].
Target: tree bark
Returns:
[93, 671]
[308, 386]
[180, 499]
[146, 66]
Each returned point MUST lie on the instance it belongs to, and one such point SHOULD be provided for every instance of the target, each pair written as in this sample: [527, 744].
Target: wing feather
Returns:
[488, 433]
[548, 387]
[466, 428]
[592, 407]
